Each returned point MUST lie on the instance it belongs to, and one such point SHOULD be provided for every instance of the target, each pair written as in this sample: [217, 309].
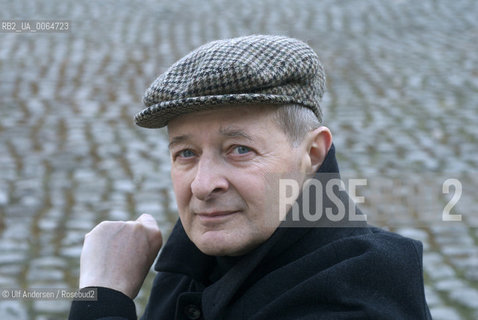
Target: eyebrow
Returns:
[227, 132]
[178, 139]
[234, 133]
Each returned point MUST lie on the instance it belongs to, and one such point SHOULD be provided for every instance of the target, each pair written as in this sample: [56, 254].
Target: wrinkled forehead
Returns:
[235, 116]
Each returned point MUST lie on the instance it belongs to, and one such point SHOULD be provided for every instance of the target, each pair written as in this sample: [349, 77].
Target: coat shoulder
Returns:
[393, 247]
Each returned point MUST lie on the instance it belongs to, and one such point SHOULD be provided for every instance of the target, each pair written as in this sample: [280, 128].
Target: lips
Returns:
[215, 215]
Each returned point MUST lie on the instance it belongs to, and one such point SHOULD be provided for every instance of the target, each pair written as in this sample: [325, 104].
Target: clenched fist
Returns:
[118, 254]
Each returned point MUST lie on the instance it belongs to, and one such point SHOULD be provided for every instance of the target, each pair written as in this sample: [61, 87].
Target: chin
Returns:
[215, 250]
[220, 244]
[222, 248]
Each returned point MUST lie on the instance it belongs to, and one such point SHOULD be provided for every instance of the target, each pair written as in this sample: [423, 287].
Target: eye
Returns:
[242, 149]
[186, 153]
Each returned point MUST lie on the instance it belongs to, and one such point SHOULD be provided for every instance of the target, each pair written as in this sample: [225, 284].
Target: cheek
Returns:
[252, 190]
[182, 189]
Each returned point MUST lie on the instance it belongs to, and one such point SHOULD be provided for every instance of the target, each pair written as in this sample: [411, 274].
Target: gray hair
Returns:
[296, 121]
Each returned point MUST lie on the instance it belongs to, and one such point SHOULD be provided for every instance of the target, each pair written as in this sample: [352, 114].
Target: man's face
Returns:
[222, 164]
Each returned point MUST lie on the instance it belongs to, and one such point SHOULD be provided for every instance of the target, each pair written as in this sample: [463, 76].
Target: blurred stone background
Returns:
[402, 104]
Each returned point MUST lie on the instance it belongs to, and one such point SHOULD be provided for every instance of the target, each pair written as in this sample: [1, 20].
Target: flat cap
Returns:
[257, 69]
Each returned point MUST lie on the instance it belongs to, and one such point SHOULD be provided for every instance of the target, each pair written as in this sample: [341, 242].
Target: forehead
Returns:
[227, 120]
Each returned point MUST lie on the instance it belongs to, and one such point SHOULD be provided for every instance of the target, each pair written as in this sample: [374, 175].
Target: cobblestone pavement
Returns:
[402, 103]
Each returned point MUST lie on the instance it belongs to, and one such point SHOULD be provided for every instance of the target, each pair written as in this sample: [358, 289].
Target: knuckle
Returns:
[103, 225]
[108, 227]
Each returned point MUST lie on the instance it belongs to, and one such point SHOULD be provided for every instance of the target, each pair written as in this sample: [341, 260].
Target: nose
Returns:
[209, 181]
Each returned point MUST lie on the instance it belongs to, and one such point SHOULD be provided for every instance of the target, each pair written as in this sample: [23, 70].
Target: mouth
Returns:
[215, 215]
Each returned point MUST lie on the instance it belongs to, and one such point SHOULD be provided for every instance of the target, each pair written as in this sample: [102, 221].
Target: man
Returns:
[243, 116]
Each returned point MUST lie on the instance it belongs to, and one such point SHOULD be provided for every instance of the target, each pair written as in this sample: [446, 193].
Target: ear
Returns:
[320, 141]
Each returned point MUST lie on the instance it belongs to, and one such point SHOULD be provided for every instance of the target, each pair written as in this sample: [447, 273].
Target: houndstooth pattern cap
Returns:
[257, 69]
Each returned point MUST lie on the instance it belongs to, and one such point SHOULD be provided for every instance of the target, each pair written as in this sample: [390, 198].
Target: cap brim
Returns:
[158, 115]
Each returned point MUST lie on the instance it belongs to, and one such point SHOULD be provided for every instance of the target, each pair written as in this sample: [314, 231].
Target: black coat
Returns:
[356, 272]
